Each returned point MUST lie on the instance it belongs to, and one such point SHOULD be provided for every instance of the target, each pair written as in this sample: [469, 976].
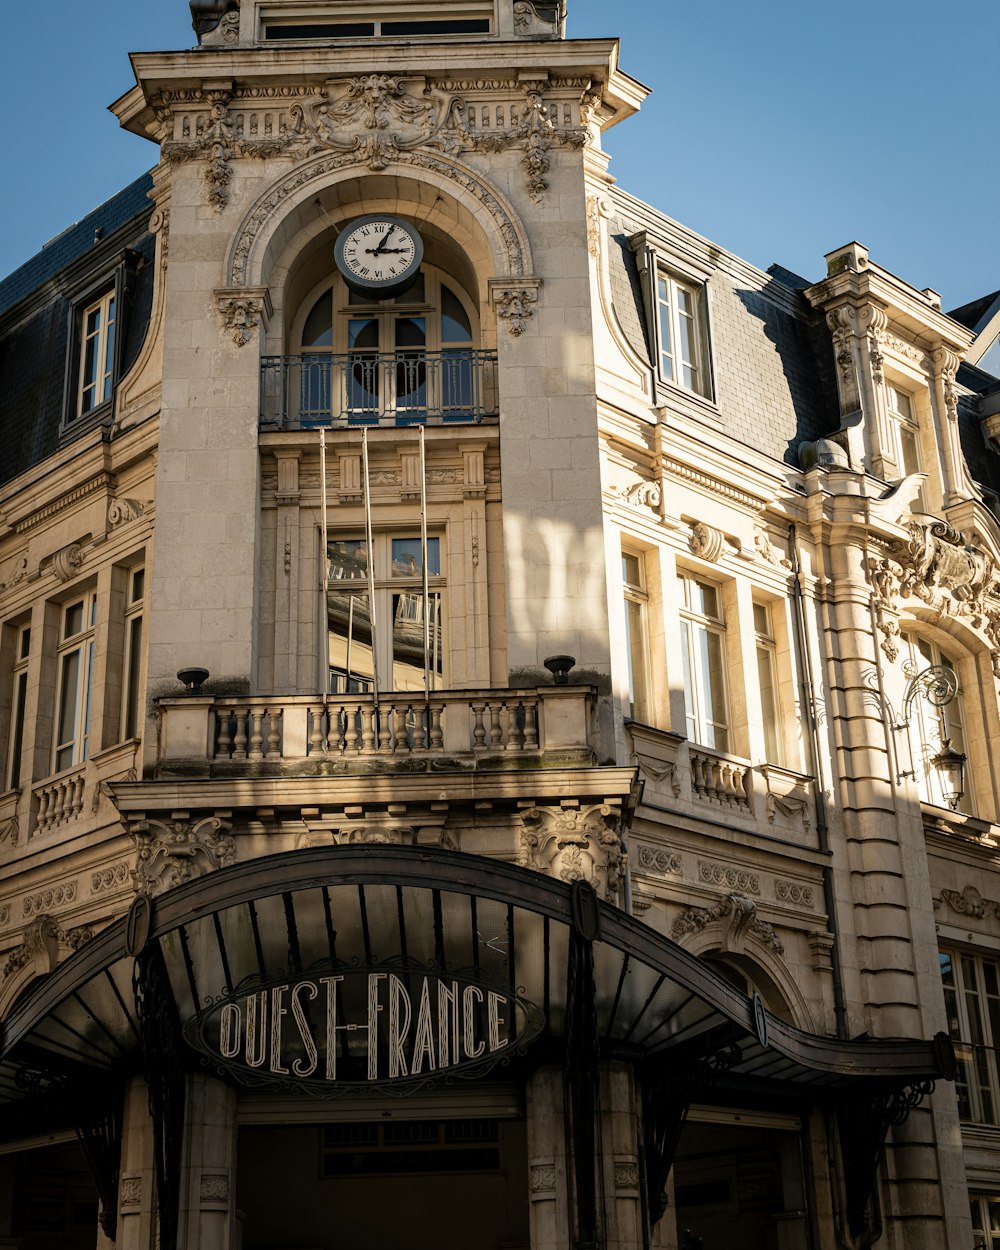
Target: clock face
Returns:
[378, 255]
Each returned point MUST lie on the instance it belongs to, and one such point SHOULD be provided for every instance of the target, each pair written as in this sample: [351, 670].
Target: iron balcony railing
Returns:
[368, 388]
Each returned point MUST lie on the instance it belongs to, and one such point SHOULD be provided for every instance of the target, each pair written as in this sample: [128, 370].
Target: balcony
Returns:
[319, 390]
[312, 736]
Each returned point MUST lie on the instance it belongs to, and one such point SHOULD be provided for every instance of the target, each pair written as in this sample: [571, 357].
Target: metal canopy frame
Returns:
[608, 985]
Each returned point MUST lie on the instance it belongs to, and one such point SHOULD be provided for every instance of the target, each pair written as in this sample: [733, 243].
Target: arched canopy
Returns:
[334, 910]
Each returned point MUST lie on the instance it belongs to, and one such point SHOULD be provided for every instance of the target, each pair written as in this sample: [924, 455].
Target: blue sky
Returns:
[780, 130]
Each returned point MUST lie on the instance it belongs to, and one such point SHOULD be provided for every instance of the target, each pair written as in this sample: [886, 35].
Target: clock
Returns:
[379, 255]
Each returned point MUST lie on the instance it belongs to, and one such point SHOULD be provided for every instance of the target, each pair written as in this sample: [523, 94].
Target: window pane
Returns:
[768, 704]
[407, 561]
[408, 641]
[636, 645]
[132, 686]
[66, 725]
[318, 329]
[73, 622]
[631, 570]
[689, 690]
[17, 734]
[455, 325]
[715, 691]
[348, 559]
[349, 643]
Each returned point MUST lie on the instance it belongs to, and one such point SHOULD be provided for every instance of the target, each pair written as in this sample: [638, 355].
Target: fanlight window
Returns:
[395, 360]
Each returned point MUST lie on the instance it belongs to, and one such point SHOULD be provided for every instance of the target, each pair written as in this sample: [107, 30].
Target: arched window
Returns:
[932, 726]
[392, 361]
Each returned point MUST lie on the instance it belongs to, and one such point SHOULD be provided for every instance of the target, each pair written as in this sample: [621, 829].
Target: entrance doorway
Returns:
[739, 1185]
[422, 1184]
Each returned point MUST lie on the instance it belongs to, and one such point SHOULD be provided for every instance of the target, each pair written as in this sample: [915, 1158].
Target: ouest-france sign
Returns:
[344, 1029]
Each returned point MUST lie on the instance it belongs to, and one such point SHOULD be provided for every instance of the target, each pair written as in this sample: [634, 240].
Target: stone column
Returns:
[618, 1157]
[208, 1178]
[549, 1213]
[137, 1184]
[879, 834]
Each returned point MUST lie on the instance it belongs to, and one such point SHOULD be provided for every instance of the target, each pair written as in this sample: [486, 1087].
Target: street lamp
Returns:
[938, 686]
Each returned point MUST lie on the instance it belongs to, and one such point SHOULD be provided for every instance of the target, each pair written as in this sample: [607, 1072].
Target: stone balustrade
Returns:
[199, 732]
[678, 773]
[719, 779]
[60, 800]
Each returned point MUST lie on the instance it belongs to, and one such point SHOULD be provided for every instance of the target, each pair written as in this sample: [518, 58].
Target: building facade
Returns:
[498, 696]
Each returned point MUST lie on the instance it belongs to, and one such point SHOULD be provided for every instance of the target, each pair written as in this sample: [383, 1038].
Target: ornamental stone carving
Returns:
[626, 1175]
[642, 495]
[4, 913]
[726, 875]
[738, 917]
[175, 851]
[794, 892]
[514, 302]
[121, 511]
[45, 900]
[243, 310]
[18, 573]
[542, 1178]
[656, 859]
[214, 1187]
[218, 138]
[68, 561]
[110, 878]
[131, 1191]
[705, 541]
[39, 948]
[9, 829]
[938, 565]
[576, 844]
[371, 119]
[970, 902]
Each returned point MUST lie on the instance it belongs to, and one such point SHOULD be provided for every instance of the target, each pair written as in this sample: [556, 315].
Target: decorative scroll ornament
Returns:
[655, 859]
[642, 495]
[842, 325]
[970, 902]
[876, 322]
[243, 309]
[705, 541]
[17, 574]
[218, 140]
[937, 565]
[121, 511]
[946, 365]
[371, 119]
[738, 915]
[514, 302]
[576, 844]
[9, 829]
[159, 224]
[67, 562]
[39, 948]
[172, 852]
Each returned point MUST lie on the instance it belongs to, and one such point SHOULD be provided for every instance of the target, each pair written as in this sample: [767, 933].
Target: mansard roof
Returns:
[75, 241]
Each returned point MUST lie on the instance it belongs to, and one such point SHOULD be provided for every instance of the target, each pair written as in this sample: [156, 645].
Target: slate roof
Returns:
[775, 385]
[975, 314]
[75, 241]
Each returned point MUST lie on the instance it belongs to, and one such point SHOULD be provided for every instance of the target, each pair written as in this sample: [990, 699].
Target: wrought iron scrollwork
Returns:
[864, 1122]
[163, 1058]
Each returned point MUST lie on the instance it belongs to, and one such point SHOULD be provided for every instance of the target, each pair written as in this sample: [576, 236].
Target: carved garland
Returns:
[937, 565]
[372, 119]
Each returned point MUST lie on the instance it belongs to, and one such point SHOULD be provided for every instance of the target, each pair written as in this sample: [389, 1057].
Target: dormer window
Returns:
[97, 352]
[907, 436]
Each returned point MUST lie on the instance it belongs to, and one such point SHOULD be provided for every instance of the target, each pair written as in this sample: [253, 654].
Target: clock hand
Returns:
[381, 247]
[384, 251]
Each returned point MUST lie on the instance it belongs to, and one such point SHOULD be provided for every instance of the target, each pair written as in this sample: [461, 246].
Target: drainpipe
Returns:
[815, 756]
